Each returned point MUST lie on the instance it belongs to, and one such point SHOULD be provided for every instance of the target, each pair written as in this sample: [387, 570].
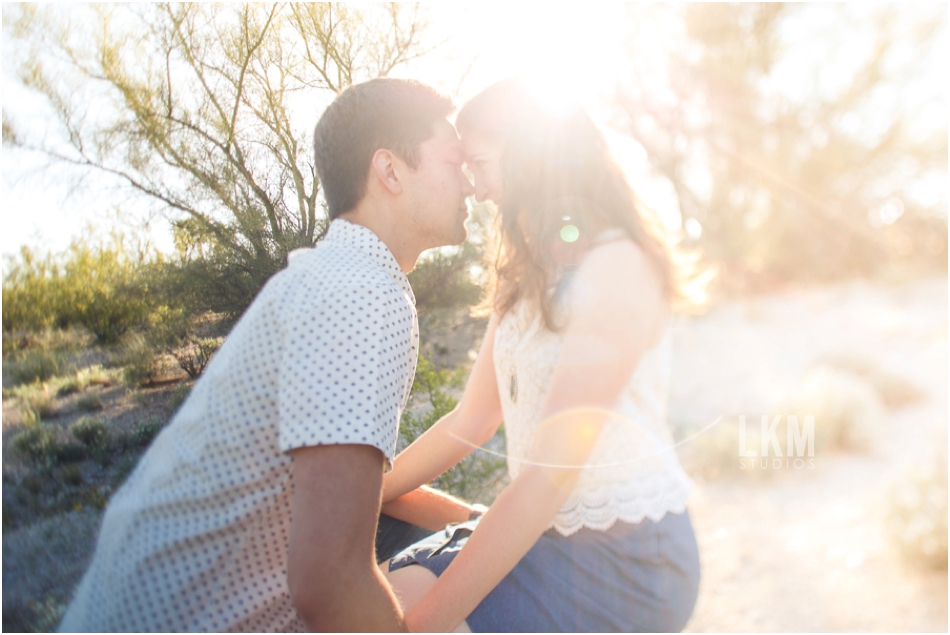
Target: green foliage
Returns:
[69, 453]
[70, 386]
[90, 402]
[210, 136]
[101, 287]
[178, 396]
[31, 293]
[139, 361]
[36, 443]
[145, 431]
[91, 376]
[30, 417]
[71, 475]
[34, 365]
[47, 614]
[34, 398]
[444, 280]
[94, 376]
[477, 476]
[453, 277]
[106, 292]
[91, 431]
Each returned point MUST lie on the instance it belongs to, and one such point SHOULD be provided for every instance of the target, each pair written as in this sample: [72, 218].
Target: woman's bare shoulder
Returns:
[620, 261]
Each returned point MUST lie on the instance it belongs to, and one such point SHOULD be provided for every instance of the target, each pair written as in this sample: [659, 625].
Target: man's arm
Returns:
[331, 568]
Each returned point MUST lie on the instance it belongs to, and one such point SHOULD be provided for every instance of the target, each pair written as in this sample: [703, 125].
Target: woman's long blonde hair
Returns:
[557, 170]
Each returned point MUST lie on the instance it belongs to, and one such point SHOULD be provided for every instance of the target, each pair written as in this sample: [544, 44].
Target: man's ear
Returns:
[383, 165]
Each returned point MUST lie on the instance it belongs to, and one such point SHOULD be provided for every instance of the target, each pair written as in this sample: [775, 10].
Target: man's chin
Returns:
[458, 236]
[462, 235]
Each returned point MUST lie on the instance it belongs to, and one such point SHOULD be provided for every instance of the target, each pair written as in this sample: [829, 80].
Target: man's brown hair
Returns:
[395, 114]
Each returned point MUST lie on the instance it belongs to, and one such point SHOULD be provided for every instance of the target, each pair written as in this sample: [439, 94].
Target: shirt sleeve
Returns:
[333, 385]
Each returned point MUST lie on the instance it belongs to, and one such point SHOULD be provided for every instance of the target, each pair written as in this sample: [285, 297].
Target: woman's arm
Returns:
[616, 309]
[471, 424]
[429, 508]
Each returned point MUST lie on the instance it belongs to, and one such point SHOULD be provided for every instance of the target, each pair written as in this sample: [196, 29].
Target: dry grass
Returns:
[917, 510]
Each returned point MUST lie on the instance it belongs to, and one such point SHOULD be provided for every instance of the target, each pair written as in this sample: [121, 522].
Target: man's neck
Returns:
[394, 237]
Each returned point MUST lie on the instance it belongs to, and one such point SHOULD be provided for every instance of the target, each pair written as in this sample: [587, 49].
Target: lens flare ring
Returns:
[525, 461]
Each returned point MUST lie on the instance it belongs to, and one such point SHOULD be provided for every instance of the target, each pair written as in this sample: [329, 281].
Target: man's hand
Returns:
[331, 569]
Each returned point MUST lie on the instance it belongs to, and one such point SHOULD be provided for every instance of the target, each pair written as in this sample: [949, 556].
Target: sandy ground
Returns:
[807, 549]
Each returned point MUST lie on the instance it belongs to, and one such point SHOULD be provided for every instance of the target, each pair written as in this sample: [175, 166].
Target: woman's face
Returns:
[483, 157]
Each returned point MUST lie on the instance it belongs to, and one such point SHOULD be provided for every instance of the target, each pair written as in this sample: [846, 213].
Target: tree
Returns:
[199, 108]
[795, 181]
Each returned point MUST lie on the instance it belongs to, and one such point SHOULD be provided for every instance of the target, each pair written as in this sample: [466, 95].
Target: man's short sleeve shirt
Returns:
[197, 538]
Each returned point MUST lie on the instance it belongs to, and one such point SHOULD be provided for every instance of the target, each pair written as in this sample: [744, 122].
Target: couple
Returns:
[257, 507]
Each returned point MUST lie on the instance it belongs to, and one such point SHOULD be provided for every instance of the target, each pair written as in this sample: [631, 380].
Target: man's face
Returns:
[437, 190]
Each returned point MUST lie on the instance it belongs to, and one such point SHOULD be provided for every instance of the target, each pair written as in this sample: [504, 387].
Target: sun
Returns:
[567, 54]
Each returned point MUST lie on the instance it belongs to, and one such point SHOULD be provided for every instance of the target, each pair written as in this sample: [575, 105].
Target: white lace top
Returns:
[632, 471]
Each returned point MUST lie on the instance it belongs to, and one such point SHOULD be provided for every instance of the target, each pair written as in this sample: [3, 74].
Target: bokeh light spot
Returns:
[570, 234]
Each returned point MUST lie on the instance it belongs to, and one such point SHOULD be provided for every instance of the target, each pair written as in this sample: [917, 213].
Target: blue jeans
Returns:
[641, 577]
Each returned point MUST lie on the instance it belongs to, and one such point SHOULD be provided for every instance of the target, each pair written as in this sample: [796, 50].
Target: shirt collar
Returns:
[362, 238]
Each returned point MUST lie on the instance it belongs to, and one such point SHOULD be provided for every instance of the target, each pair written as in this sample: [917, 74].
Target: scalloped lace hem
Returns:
[572, 522]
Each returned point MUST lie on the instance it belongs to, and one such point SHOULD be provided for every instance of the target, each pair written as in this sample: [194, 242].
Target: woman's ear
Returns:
[383, 166]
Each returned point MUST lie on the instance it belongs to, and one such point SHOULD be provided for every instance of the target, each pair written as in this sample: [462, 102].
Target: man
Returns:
[256, 508]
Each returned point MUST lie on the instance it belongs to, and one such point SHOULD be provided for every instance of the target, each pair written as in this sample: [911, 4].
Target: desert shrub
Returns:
[713, 452]
[36, 443]
[452, 277]
[123, 469]
[47, 614]
[894, 390]
[69, 453]
[476, 477]
[90, 402]
[82, 379]
[90, 430]
[916, 517]
[178, 396]
[139, 360]
[848, 411]
[102, 286]
[145, 431]
[70, 386]
[71, 475]
[34, 365]
[30, 417]
[94, 376]
[31, 292]
[195, 355]
[35, 398]
[106, 290]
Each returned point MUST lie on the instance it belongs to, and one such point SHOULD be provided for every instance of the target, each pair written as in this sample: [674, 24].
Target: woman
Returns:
[592, 533]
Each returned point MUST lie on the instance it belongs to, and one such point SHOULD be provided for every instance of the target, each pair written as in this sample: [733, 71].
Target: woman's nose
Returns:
[481, 192]
[467, 188]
